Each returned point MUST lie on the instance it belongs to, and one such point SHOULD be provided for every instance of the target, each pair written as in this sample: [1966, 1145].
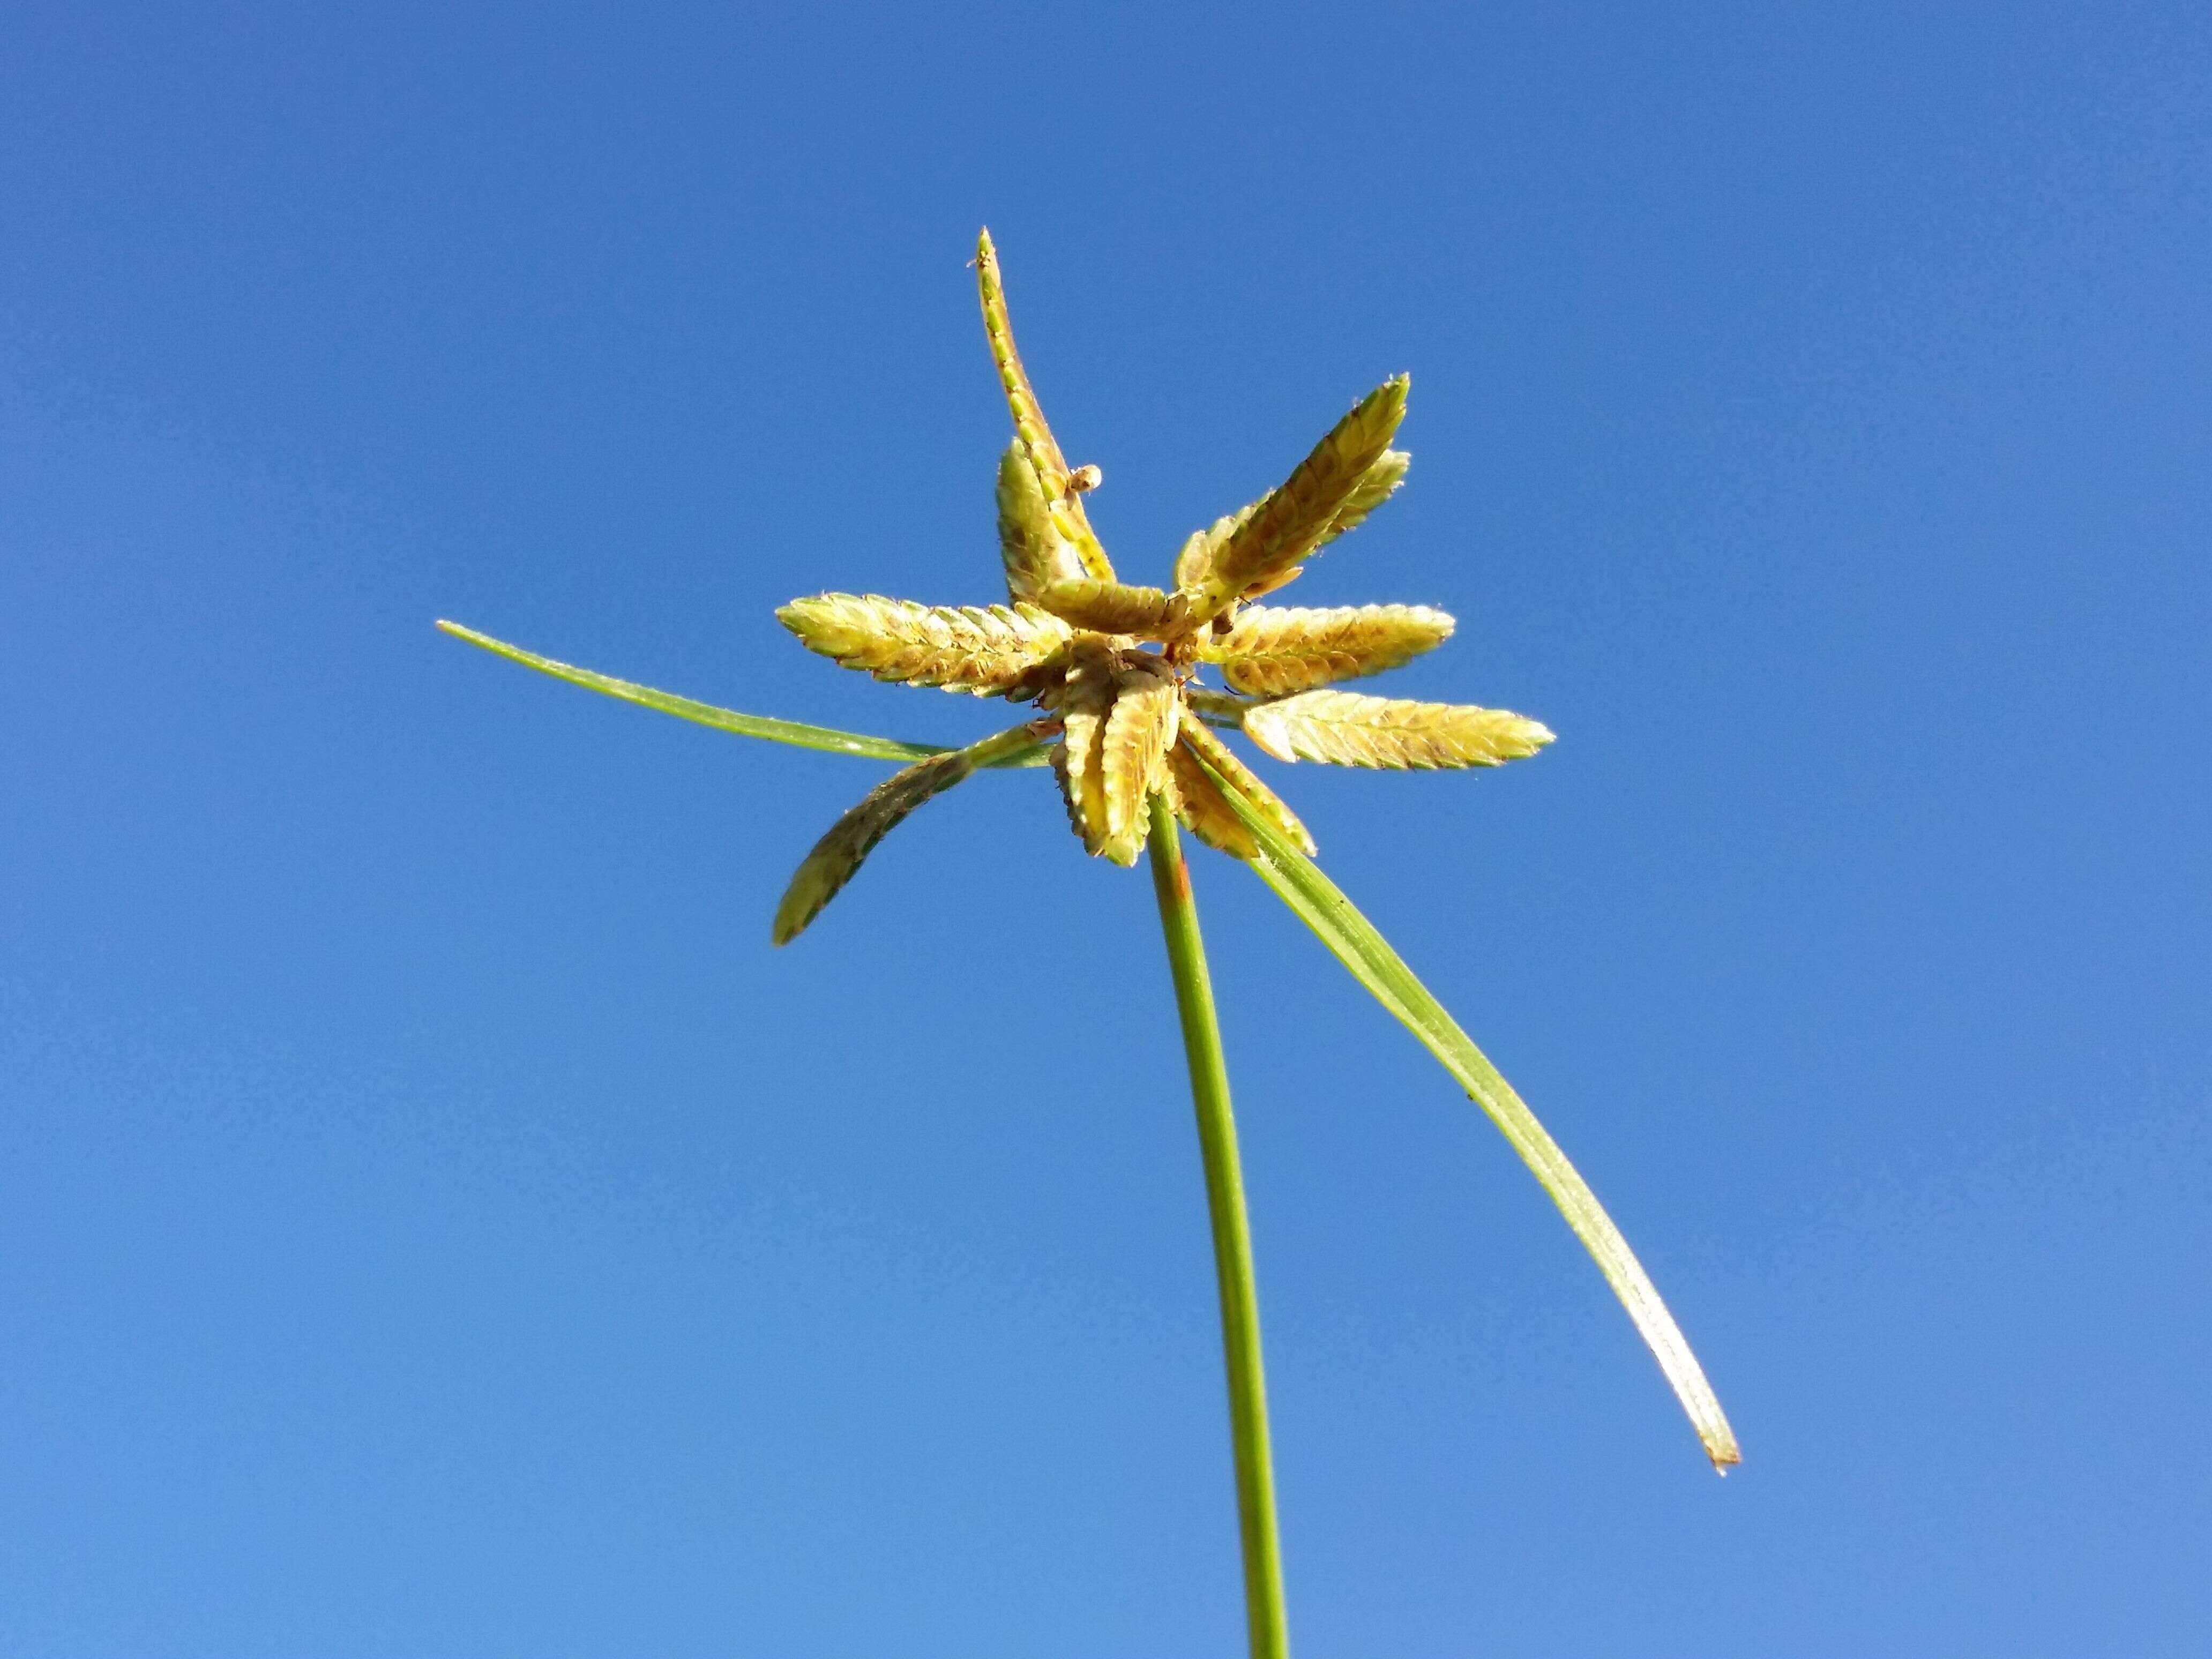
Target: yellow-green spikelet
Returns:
[1273, 651]
[1201, 742]
[838, 855]
[1053, 472]
[1346, 729]
[1115, 608]
[1133, 751]
[1036, 555]
[1261, 553]
[989, 651]
[1079, 762]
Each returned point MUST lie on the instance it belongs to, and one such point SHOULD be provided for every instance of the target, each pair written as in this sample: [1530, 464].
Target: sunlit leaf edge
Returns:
[1354, 941]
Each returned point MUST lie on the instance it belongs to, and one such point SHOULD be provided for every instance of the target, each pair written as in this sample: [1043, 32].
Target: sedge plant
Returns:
[1135, 740]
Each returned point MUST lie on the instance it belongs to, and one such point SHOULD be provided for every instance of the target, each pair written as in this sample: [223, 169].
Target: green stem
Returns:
[1232, 1240]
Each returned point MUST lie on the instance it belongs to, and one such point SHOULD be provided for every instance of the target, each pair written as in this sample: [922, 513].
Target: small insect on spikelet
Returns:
[1113, 667]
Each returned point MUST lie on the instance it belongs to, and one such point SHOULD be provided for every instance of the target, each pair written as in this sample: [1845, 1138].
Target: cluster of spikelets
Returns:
[1111, 667]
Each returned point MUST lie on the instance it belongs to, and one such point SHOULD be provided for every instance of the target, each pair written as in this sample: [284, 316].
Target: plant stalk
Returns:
[1232, 1240]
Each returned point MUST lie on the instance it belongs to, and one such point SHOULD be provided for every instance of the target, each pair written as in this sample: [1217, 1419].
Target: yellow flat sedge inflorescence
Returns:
[1113, 666]
[1135, 740]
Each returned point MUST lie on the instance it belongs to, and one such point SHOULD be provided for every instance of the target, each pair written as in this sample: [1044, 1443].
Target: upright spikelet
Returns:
[1272, 652]
[1351, 730]
[838, 855]
[1035, 553]
[1054, 475]
[1292, 521]
[1133, 753]
[1376, 486]
[1115, 608]
[993, 651]
[1202, 743]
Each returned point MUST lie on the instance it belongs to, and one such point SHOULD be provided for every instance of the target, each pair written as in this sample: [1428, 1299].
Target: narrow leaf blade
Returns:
[1317, 902]
[795, 732]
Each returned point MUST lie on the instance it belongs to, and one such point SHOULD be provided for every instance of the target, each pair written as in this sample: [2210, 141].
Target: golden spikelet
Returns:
[1376, 486]
[1064, 504]
[1272, 652]
[1079, 764]
[1195, 561]
[1115, 608]
[1195, 736]
[1199, 808]
[993, 651]
[1133, 753]
[1033, 550]
[1191, 560]
[1351, 730]
[1292, 521]
[1067, 796]
[838, 855]
[1199, 550]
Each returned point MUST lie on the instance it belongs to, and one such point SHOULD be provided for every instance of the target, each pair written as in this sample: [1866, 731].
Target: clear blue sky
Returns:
[433, 1221]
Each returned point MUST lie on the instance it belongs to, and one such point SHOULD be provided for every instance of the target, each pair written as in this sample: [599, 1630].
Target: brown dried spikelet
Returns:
[1133, 753]
[1115, 608]
[1084, 703]
[1197, 737]
[838, 855]
[989, 651]
[1348, 729]
[1272, 652]
[1293, 520]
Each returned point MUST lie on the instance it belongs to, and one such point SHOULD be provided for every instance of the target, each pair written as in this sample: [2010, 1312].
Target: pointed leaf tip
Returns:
[1352, 939]
[796, 732]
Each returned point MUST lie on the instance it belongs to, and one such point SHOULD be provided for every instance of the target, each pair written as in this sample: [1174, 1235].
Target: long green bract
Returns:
[1299, 883]
[796, 732]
